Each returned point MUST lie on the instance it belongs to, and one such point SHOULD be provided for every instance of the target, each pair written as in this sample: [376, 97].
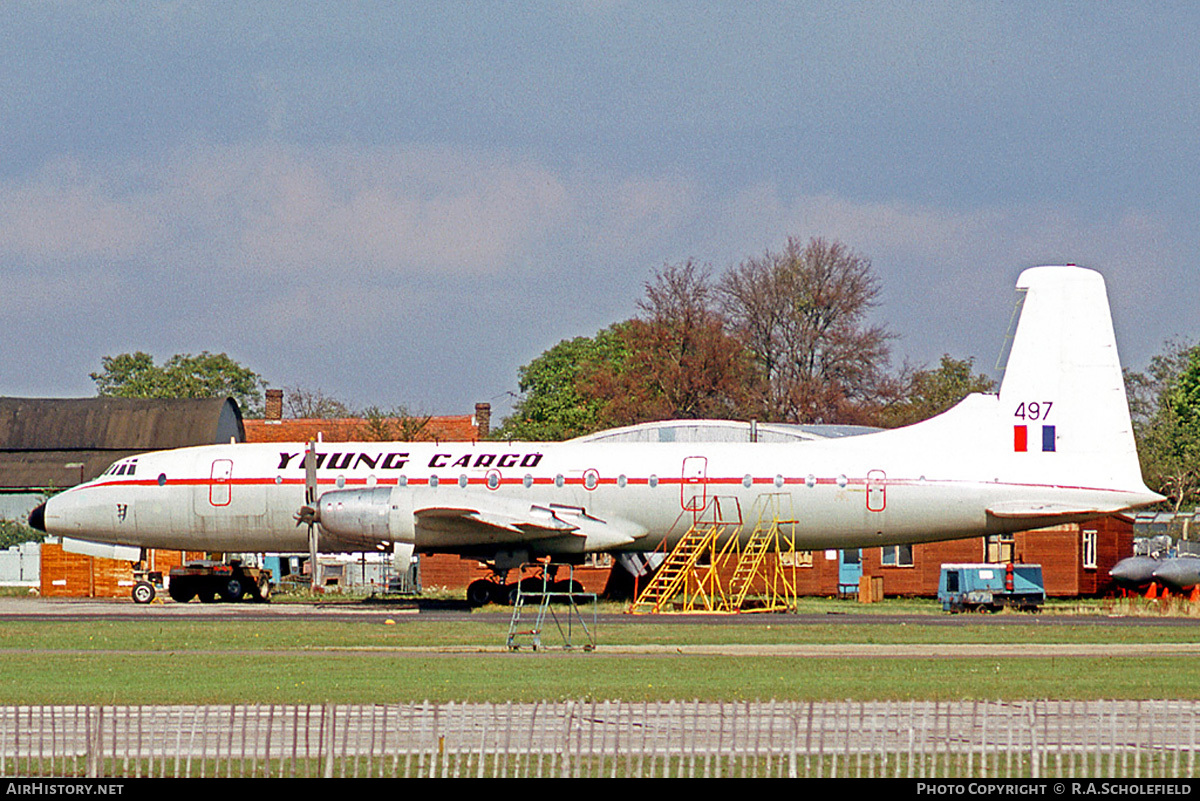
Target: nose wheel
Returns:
[143, 592]
[147, 584]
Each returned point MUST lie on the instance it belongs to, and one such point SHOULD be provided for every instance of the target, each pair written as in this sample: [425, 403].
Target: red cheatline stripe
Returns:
[452, 481]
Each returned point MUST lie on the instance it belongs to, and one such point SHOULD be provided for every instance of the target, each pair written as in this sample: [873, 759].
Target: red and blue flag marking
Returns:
[1021, 439]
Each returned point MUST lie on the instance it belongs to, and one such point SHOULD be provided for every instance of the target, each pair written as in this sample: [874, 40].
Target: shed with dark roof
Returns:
[48, 443]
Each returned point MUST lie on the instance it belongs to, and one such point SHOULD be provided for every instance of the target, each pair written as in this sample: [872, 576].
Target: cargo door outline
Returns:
[693, 489]
[221, 483]
[876, 491]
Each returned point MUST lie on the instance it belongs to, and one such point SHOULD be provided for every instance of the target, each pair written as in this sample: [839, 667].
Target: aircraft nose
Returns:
[1124, 570]
[1182, 571]
[37, 518]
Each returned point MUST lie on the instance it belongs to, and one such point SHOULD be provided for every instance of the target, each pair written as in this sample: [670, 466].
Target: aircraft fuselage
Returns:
[841, 493]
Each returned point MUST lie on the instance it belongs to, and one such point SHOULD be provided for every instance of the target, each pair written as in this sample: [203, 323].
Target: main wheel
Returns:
[511, 594]
[501, 592]
[527, 586]
[181, 591]
[143, 592]
[575, 588]
[479, 592]
[232, 590]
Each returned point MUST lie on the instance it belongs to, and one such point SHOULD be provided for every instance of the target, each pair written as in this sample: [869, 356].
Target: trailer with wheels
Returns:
[991, 587]
[219, 581]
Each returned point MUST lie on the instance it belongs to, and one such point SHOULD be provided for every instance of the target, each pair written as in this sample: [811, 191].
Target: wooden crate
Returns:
[74, 575]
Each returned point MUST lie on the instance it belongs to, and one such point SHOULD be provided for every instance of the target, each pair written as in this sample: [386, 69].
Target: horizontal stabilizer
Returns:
[1017, 510]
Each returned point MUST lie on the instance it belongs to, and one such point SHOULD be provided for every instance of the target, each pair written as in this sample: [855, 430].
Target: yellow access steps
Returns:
[687, 581]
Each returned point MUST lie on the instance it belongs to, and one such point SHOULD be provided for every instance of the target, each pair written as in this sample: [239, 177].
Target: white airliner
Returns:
[1055, 445]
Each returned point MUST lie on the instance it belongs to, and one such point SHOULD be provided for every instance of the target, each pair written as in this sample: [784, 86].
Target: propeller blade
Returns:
[313, 551]
[310, 513]
[310, 474]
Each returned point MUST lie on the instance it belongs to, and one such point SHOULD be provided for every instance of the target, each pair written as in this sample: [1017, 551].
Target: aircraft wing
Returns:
[507, 523]
[496, 525]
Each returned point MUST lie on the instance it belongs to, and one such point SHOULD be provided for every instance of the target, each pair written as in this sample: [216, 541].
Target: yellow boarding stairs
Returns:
[678, 573]
[690, 577]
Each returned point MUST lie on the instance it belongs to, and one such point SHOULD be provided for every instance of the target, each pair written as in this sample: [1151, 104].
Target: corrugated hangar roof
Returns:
[61, 441]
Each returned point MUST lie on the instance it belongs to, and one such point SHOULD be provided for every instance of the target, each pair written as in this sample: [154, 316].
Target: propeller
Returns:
[310, 512]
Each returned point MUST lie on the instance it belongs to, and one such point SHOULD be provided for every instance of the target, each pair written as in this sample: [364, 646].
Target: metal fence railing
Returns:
[1118, 739]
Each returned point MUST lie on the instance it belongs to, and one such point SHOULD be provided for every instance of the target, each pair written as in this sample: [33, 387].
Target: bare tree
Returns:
[377, 424]
[802, 312]
[393, 425]
[679, 359]
[313, 404]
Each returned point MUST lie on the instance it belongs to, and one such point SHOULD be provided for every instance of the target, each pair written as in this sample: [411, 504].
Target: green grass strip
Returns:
[189, 678]
[285, 635]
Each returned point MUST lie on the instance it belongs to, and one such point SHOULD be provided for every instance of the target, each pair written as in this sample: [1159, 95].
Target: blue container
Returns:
[991, 587]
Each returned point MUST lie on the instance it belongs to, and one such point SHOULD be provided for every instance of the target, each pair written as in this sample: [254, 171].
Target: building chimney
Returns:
[274, 410]
[483, 420]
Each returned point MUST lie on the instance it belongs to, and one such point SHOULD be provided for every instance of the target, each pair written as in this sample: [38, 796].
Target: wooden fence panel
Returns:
[969, 739]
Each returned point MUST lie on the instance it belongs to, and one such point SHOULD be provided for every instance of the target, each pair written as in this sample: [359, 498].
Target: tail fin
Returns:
[1063, 391]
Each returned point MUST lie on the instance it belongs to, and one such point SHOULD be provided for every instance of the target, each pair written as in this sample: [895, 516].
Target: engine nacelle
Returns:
[364, 514]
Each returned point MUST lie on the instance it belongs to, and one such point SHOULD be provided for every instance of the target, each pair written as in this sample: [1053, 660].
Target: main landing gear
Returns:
[497, 590]
[215, 581]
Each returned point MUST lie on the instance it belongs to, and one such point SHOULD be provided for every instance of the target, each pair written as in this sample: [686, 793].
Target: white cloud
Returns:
[400, 211]
[277, 209]
[1005, 237]
[65, 213]
[304, 222]
[272, 210]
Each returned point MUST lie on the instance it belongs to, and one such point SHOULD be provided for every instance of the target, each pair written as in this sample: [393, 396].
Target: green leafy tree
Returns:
[1165, 406]
[553, 403]
[14, 532]
[931, 392]
[206, 375]
[676, 359]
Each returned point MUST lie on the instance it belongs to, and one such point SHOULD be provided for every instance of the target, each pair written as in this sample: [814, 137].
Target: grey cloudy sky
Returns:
[403, 203]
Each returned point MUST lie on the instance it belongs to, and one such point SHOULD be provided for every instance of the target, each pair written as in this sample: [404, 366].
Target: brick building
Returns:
[1075, 560]
[415, 428]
